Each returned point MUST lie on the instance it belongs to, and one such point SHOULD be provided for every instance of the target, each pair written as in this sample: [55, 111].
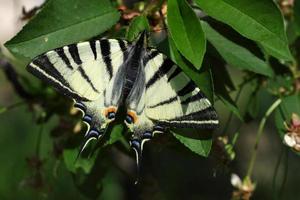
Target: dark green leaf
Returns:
[234, 54]
[61, 22]
[221, 81]
[230, 104]
[117, 134]
[202, 78]
[198, 145]
[253, 106]
[73, 165]
[260, 21]
[3, 109]
[185, 29]
[137, 25]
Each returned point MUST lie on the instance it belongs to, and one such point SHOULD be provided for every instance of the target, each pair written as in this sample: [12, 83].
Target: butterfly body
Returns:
[104, 75]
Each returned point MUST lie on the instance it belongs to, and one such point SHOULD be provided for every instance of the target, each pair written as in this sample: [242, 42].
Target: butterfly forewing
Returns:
[81, 71]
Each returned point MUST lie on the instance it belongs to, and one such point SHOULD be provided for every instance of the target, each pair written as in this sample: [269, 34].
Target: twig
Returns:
[259, 134]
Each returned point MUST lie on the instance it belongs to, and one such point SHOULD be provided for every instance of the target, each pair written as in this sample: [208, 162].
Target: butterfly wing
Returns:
[81, 71]
[169, 99]
[164, 97]
[173, 99]
[85, 72]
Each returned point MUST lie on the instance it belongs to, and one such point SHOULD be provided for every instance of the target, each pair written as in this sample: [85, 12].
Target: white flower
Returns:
[236, 181]
[289, 141]
[292, 137]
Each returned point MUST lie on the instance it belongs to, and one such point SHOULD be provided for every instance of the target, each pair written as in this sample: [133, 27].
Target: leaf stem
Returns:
[286, 166]
[12, 106]
[275, 194]
[259, 134]
[231, 113]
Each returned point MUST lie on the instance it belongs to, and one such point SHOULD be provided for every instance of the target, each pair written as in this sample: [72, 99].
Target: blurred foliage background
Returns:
[246, 59]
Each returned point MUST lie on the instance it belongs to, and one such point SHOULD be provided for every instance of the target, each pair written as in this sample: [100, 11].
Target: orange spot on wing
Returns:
[133, 115]
[110, 109]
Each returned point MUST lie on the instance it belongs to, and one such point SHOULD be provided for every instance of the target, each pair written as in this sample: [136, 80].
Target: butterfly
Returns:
[103, 75]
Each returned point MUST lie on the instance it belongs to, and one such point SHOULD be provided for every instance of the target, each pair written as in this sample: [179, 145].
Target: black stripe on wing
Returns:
[206, 118]
[86, 78]
[200, 115]
[124, 49]
[165, 102]
[53, 77]
[105, 51]
[193, 98]
[163, 69]
[188, 88]
[93, 48]
[61, 53]
[45, 65]
[152, 55]
[73, 50]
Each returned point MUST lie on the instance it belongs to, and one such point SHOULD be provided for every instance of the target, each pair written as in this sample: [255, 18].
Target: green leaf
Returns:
[198, 145]
[138, 24]
[185, 29]
[260, 21]
[117, 134]
[202, 78]
[3, 109]
[230, 104]
[234, 54]
[62, 22]
[221, 81]
[70, 156]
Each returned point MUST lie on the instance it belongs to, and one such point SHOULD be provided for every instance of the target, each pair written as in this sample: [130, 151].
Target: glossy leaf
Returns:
[260, 21]
[185, 29]
[234, 54]
[60, 23]
[198, 145]
[202, 78]
[137, 25]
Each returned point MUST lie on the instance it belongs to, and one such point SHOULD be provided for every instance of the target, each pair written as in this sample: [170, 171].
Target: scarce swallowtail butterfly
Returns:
[103, 75]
